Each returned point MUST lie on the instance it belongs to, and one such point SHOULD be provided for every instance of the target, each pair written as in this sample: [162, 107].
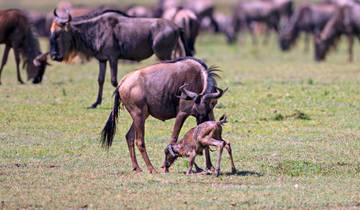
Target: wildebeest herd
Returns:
[179, 85]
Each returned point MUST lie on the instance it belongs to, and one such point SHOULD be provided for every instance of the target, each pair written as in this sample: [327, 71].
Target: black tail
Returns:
[108, 132]
[184, 42]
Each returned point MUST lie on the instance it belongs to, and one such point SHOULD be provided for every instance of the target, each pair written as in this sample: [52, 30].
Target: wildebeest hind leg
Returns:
[17, 61]
[4, 59]
[114, 69]
[139, 117]
[130, 138]
[164, 45]
[101, 80]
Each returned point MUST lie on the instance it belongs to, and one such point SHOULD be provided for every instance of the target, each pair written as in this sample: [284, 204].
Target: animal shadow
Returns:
[244, 173]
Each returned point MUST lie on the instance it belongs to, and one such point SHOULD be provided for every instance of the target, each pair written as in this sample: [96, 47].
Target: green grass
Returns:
[293, 123]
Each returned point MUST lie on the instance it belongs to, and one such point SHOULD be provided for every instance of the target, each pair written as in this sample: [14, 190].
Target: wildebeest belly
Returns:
[161, 112]
[135, 42]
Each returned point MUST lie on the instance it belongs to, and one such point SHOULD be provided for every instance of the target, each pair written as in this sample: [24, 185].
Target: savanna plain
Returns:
[293, 125]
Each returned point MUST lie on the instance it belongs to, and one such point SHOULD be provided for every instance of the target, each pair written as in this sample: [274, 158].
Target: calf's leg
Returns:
[228, 148]
[191, 163]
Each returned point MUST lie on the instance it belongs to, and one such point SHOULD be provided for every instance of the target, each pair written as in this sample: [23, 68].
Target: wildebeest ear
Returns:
[41, 59]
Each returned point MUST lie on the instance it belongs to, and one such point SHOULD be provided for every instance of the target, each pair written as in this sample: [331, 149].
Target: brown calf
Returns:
[195, 141]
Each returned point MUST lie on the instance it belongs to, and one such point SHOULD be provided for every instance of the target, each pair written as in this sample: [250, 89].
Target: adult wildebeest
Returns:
[284, 7]
[345, 21]
[154, 91]
[109, 35]
[195, 141]
[188, 21]
[202, 8]
[247, 13]
[308, 18]
[16, 33]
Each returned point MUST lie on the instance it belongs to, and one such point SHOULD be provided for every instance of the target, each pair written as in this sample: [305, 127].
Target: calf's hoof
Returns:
[137, 170]
[152, 171]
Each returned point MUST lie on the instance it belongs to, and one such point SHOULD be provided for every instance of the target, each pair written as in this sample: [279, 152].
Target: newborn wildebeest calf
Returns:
[195, 141]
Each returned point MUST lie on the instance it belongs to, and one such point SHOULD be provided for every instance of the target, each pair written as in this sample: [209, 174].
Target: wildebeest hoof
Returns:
[233, 171]
[217, 173]
[114, 83]
[93, 106]
[188, 173]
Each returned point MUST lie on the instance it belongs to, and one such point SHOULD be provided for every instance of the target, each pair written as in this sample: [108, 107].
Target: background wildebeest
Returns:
[247, 13]
[109, 35]
[188, 21]
[195, 141]
[154, 91]
[308, 18]
[345, 21]
[16, 33]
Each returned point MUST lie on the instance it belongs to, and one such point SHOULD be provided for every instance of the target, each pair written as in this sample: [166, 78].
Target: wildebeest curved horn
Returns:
[188, 94]
[42, 58]
[69, 16]
[219, 92]
[55, 13]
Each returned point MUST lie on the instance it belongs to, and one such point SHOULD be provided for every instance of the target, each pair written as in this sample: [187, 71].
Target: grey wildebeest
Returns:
[109, 35]
[345, 21]
[173, 89]
[246, 14]
[188, 21]
[202, 8]
[308, 18]
[195, 141]
[16, 33]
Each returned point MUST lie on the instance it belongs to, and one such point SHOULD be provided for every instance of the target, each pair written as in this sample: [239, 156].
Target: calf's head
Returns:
[202, 104]
[171, 154]
[60, 37]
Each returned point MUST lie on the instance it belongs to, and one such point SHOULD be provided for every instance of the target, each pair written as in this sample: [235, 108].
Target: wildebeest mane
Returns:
[211, 72]
[100, 11]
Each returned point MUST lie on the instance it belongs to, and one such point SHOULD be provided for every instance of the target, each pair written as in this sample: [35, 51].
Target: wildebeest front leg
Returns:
[351, 43]
[17, 61]
[114, 69]
[179, 122]
[4, 59]
[130, 139]
[209, 165]
[101, 80]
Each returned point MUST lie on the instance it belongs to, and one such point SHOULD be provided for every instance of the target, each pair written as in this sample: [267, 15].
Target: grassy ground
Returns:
[294, 127]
